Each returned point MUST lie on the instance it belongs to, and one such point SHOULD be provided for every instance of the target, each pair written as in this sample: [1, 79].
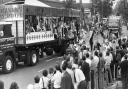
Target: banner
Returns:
[11, 11]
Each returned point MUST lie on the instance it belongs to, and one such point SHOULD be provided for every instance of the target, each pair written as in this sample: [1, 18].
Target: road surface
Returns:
[25, 75]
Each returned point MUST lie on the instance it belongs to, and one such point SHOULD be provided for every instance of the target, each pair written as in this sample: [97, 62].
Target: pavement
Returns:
[115, 85]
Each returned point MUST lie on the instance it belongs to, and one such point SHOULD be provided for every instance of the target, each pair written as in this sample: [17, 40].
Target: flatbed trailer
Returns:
[17, 44]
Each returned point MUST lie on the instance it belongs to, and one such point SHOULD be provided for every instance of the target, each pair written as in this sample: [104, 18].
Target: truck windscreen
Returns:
[5, 31]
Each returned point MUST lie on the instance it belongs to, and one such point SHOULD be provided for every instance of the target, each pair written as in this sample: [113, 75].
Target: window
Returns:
[5, 31]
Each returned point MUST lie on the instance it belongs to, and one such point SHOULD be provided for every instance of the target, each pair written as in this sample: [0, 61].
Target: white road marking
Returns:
[48, 61]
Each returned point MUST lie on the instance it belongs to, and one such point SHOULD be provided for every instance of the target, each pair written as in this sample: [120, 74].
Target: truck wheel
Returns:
[57, 49]
[33, 58]
[8, 64]
[49, 51]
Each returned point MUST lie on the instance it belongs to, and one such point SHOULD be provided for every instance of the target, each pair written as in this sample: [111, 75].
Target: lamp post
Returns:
[102, 7]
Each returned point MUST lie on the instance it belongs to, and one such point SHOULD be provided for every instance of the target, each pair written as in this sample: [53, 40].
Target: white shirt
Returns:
[95, 62]
[108, 60]
[80, 55]
[44, 81]
[57, 79]
[30, 86]
[88, 61]
[79, 75]
[36, 86]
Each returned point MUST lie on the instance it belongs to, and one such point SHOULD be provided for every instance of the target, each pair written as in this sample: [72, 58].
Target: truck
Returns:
[114, 25]
[26, 31]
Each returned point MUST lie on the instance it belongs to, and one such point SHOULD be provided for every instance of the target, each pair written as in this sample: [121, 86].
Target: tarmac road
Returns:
[25, 75]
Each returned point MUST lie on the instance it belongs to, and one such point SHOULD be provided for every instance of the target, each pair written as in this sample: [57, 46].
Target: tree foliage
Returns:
[68, 3]
[104, 7]
[122, 9]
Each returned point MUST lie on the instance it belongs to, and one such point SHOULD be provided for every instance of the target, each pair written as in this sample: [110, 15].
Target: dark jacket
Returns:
[66, 82]
[86, 70]
[124, 68]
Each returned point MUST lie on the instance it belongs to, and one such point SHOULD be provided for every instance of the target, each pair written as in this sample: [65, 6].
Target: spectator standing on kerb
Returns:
[108, 59]
[86, 70]
[101, 71]
[78, 74]
[36, 84]
[44, 80]
[66, 82]
[94, 71]
[56, 79]
[124, 72]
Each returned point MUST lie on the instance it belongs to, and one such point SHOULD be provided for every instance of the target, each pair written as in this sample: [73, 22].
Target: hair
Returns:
[45, 73]
[100, 54]
[57, 66]
[123, 46]
[69, 65]
[87, 49]
[14, 85]
[80, 62]
[76, 60]
[64, 66]
[125, 56]
[83, 58]
[1, 84]
[87, 55]
[96, 53]
[37, 79]
[107, 54]
[84, 47]
[51, 70]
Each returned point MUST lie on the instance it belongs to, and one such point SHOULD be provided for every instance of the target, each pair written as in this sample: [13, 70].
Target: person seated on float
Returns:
[29, 28]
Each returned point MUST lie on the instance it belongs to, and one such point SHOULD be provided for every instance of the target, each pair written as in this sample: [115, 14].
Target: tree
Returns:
[122, 9]
[104, 7]
[68, 3]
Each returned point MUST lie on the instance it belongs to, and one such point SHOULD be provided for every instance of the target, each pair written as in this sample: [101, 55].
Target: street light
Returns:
[102, 7]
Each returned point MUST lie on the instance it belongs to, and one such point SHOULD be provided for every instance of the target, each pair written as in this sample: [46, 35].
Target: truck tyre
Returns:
[8, 65]
[57, 49]
[33, 58]
[49, 51]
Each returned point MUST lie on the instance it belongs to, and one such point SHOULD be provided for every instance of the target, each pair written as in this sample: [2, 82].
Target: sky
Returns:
[84, 1]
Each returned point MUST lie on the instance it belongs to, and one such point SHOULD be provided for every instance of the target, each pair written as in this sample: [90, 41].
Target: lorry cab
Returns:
[7, 49]
[29, 29]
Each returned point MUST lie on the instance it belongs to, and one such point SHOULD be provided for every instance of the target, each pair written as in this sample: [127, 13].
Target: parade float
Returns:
[30, 27]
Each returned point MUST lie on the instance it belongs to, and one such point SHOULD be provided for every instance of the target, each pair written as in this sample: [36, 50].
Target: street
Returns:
[25, 75]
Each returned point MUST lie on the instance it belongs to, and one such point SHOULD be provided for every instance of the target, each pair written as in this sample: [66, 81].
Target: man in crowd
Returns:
[124, 72]
[108, 59]
[86, 70]
[94, 74]
[66, 82]
[56, 79]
